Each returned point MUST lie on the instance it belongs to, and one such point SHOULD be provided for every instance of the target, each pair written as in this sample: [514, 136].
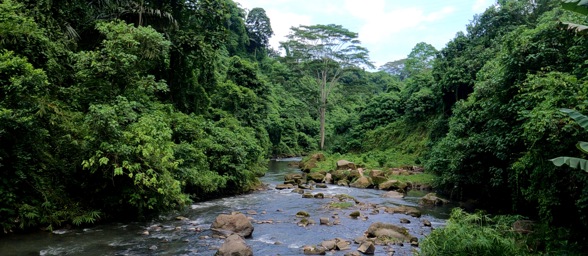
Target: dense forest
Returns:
[124, 109]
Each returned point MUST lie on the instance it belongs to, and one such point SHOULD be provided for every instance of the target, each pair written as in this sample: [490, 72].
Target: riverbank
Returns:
[271, 211]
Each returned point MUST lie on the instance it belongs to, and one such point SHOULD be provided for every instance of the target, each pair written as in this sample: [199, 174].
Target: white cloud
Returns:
[389, 29]
[281, 23]
[481, 5]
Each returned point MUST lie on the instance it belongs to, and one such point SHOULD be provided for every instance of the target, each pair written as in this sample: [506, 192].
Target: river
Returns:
[273, 213]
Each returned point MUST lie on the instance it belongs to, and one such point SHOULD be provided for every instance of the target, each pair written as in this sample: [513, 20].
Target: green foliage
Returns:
[259, 30]
[579, 6]
[101, 108]
[473, 234]
[575, 162]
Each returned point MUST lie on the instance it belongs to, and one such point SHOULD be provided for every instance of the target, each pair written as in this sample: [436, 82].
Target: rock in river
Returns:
[361, 182]
[367, 248]
[404, 210]
[386, 232]
[316, 176]
[234, 245]
[432, 199]
[314, 250]
[235, 223]
[393, 185]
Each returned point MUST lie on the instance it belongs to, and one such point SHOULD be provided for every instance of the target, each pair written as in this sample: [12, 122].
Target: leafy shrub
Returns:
[473, 234]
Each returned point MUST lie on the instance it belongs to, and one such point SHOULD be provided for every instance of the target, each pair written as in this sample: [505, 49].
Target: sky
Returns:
[389, 29]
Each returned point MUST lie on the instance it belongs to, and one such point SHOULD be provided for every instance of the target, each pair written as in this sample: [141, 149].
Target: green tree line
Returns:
[125, 109]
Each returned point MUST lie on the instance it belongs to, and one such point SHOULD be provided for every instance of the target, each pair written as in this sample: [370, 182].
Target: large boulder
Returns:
[354, 174]
[340, 175]
[234, 245]
[315, 176]
[393, 185]
[386, 232]
[414, 212]
[309, 164]
[235, 223]
[362, 182]
[432, 199]
[377, 180]
[345, 165]
[376, 173]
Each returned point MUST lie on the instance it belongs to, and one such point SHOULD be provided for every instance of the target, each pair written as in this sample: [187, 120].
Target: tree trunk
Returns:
[323, 106]
[322, 120]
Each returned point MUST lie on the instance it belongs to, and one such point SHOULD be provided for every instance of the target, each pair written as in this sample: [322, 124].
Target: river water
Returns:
[273, 216]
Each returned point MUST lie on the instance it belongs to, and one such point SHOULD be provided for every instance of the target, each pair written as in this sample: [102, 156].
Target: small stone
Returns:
[319, 195]
[182, 218]
[360, 239]
[354, 214]
[307, 195]
[303, 222]
[284, 186]
[314, 250]
[324, 221]
[321, 185]
[298, 190]
[404, 221]
[153, 247]
[145, 233]
[343, 245]
[251, 212]
[336, 222]
[329, 244]
[302, 214]
[203, 237]
[426, 223]
[367, 248]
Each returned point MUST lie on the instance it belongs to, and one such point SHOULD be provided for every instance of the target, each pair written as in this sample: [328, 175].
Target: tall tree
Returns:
[259, 30]
[420, 58]
[327, 51]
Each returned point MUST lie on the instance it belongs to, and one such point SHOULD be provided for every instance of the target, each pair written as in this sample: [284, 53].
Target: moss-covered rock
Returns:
[414, 212]
[393, 185]
[345, 165]
[388, 233]
[432, 199]
[315, 176]
[362, 182]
